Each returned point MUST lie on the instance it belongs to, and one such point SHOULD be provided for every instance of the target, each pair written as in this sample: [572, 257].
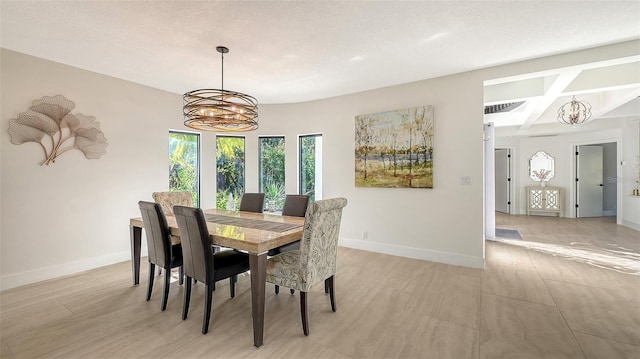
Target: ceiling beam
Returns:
[559, 84]
[616, 101]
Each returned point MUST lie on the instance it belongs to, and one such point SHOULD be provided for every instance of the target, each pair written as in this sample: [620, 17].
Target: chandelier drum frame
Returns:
[220, 110]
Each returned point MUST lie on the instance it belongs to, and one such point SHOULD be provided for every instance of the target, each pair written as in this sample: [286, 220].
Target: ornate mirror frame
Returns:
[541, 167]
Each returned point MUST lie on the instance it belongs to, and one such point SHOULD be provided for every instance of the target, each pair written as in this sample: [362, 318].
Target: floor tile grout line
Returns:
[564, 319]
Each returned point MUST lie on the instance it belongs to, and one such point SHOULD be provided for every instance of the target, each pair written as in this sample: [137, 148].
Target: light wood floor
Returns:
[533, 300]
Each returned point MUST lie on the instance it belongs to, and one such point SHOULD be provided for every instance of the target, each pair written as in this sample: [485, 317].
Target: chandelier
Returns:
[220, 110]
[574, 112]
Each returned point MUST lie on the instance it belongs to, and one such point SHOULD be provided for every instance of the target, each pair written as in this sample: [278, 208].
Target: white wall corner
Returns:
[631, 225]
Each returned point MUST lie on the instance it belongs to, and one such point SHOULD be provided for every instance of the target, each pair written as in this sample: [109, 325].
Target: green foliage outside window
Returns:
[184, 164]
[230, 171]
[308, 166]
[272, 171]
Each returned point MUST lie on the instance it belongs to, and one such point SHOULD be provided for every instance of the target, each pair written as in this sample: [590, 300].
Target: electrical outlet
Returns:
[465, 180]
[365, 235]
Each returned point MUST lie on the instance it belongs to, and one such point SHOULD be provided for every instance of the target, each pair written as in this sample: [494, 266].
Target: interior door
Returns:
[502, 179]
[589, 163]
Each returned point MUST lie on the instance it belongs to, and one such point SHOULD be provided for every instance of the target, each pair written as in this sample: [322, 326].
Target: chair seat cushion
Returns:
[284, 270]
[290, 247]
[228, 258]
[229, 263]
[176, 252]
[285, 248]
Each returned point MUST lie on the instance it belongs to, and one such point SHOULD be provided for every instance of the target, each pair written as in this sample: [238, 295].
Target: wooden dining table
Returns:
[254, 233]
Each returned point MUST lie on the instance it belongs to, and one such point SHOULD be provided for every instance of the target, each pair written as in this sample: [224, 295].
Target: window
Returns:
[184, 163]
[229, 171]
[271, 172]
[310, 166]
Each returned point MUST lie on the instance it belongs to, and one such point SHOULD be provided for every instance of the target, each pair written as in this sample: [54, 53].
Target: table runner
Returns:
[251, 223]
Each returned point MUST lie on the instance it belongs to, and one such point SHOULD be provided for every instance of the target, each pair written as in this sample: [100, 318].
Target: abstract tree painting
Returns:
[50, 123]
[395, 148]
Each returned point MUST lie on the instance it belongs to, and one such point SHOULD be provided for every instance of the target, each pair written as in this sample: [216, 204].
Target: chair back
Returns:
[158, 235]
[319, 243]
[197, 254]
[252, 202]
[295, 205]
[169, 199]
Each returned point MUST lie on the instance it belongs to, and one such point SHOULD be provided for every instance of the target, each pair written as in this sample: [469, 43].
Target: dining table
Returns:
[250, 232]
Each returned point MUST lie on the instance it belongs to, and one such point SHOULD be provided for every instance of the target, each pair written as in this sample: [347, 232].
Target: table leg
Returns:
[135, 233]
[258, 267]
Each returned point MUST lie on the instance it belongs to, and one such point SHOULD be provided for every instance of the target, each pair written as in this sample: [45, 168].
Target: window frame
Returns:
[198, 162]
[261, 185]
[300, 158]
[244, 162]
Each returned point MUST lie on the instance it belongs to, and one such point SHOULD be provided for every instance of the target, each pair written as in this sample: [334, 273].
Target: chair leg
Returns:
[292, 291]
[187, 299]
[232, 285]
[277, 289]
[326, 287]
[167, 285]
[207, 308]
[303, 312]
[330, 283]
[181, 281]
[152, 272]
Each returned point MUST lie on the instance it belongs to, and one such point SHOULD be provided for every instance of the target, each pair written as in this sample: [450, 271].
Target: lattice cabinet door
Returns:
[544, 199]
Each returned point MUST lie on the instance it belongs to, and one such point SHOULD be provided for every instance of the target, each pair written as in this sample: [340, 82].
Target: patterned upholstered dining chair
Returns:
[315, 261]
[295, 205]
[169, 199]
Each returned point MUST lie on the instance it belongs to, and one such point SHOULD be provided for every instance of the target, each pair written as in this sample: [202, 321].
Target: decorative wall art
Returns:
[395, 148]
[50, 123]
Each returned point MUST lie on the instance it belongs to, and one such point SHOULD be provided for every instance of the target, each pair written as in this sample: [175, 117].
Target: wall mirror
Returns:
[541, 167]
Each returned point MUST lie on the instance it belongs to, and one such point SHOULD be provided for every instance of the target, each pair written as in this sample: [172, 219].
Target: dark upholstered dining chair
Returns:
[161, 252]
[315, 261]
[252, 202]
[200, 261]
[295, 205]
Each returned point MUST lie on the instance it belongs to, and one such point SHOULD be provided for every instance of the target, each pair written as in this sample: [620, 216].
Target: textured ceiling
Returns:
[284, 52]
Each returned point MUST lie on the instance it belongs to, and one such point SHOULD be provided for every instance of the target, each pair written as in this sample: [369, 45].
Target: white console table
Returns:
[544, 199]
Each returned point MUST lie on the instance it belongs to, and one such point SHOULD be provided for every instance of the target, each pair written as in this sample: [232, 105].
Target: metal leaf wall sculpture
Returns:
[50, 123]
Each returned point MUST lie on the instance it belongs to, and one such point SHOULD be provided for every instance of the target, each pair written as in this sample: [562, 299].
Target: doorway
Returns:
[502, 166]
[596, 180]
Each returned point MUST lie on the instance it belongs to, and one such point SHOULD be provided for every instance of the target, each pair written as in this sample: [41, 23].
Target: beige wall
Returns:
[74, 214]
[420, 223]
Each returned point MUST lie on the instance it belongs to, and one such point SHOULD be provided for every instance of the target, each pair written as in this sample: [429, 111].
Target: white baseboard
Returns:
[631, 225]
[415, 253]
[36, 275]
[609, 213]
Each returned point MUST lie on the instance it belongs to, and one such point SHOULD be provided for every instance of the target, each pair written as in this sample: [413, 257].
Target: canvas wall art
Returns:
[394, 149]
